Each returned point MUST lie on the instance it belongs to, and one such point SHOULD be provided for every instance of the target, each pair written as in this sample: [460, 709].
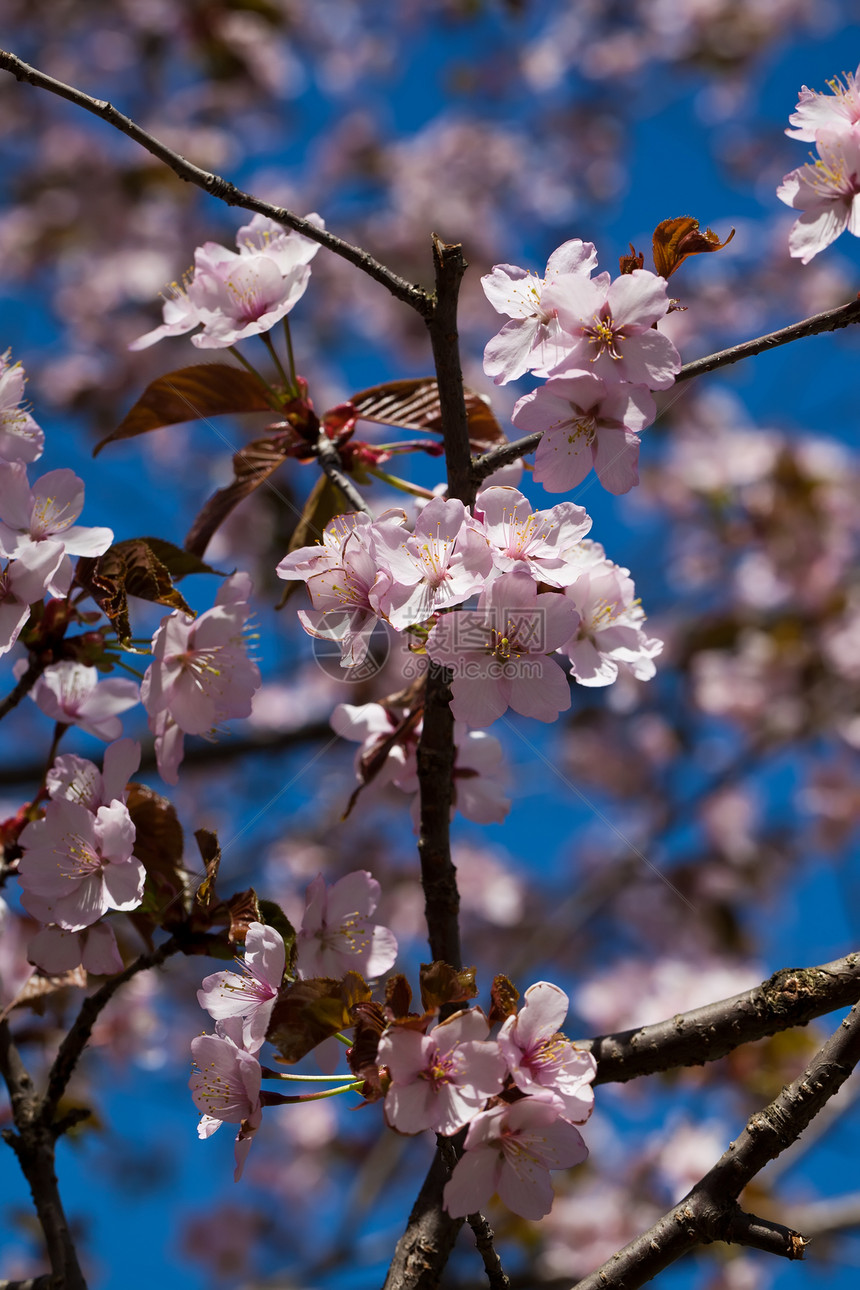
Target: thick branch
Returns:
[33, 1144]
[426, 1245]
[710, 1212]
[789, 998]
[445, 340]
[503, 455]
[215, 185]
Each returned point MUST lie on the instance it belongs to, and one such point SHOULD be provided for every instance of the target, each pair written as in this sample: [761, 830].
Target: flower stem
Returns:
[250, 367]
[290, 385]
[288, 336]
[403, 485]
[312, 1079]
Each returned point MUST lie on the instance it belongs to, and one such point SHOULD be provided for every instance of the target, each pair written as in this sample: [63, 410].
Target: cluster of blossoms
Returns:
[38, 532]
[826, 189]
[234, 294]
[336, 937]
[520, 1094]
[78, 862]
[543, 592]
[595, 341]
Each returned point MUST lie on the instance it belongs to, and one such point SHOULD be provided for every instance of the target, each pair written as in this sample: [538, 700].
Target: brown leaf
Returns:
[307, 1012]
[440, 984]
[205, 390]
[503, 999]
[38, 987]
[159, 846]
[675, 239]
[398, 995]
[252, 466]
[210, 853]
[414, 405]
[635, 260]
[244, 910]
[131, 568]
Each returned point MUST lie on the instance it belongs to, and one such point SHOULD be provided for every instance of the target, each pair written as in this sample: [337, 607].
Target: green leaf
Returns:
[192, 393]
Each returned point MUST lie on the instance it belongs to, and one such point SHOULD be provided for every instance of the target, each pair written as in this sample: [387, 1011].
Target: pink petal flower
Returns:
[510, 1150]
[55, 951]
[827, 190]
[543, 540]
[250, 993]
[45, 513]
[72, 693]
[442, 1080]
[225, 1087]
[816, 113]
[20, 438]
[540, 1058]
[336, 935]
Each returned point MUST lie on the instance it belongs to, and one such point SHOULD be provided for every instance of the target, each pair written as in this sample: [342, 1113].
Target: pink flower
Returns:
[250, 993]
[225, 1087]
[441, 564]
[498, 652]
[527, 342]
[827, 190]
[46, 513]
[372, 725]
[816, 112]
[480, 776]
[20, 438]
[54, 950]
[22, 582]
[541, 1059]
[345, 608]
[610, 629]
[607, 328]
[442, 1080]
[77, 865]
[79, 780]
[237, 295]
[586, 424]
[303, 563]
[510, 1150]
[73, 694]
[336, 937]
[201, 673]
[543, 540]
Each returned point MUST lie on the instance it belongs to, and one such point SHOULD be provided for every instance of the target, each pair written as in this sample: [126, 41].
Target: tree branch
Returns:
[33, 1144]
[329, 459]
[710, 1211]
[76, 1040]
[215, 185]
[791, 997]
[24, 686]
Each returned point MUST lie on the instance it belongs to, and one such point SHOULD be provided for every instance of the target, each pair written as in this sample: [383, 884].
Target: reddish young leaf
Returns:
[252, 466]
[210, 853]
[414, 405]
[307, 1012]
[159, 846]
[440, 984]
[205, 390]
[675, 239]
[503, 999]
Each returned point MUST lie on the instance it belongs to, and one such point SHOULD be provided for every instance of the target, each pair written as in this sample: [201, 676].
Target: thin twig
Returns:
[218, 187]
[76, 1040]
[329, 459]
[24, 686]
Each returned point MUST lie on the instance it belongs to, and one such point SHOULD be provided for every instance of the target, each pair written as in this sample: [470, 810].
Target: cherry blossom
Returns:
[586, 423]
[540, 1058]
[235, 295]
[46, 513]
[72, 693]
[817, 112]
[372, 725]
[251, 992]
[610, 629]
[441, 564]
[510, 1150]
[827, 191]
[80, 780]
[543, 540]
[526, 342]
[77, 865]
[607, 328]
[344, 599]
[201, 673]
[336, 937]
[54, 950]
[225, 1086]
[20, 438]
[498, 652]
[22, 582]
[441, 1080]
